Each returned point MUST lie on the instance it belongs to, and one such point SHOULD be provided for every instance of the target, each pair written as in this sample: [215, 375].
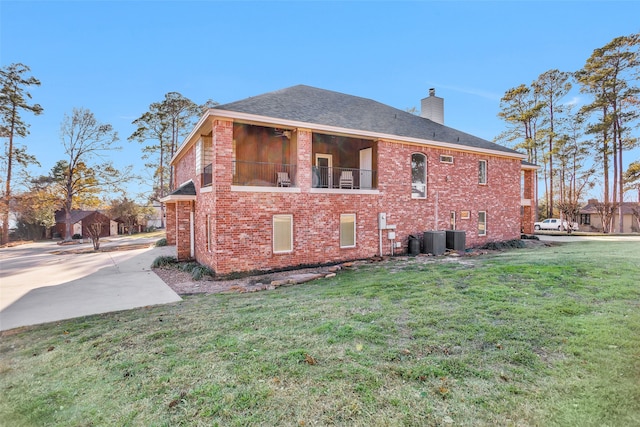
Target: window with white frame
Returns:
[347, 230]
[482, 172]
[282, 233]
[446, 159]
[482, 223]
[418, 176]
[204, 154]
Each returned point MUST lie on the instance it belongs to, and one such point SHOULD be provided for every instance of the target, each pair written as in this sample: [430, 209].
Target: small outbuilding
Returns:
[81, 220]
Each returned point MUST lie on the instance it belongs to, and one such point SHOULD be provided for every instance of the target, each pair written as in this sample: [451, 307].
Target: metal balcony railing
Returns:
[264, 174]
[344, 178]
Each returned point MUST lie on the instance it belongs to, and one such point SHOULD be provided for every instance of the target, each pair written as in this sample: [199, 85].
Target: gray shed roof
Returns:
[319, 106]
[185, 192]
[186, 189]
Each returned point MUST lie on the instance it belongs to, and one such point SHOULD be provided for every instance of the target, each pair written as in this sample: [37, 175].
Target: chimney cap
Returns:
[432, 91]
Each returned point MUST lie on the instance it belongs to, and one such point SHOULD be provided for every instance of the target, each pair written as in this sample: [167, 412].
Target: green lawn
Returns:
[547, 336]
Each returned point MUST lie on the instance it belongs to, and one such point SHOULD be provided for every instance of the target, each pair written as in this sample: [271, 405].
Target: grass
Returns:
[547, 336]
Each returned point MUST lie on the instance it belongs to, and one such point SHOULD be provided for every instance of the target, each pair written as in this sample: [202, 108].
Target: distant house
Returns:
[591, 220]
[305, 176]
[155, 218]
[81, 221]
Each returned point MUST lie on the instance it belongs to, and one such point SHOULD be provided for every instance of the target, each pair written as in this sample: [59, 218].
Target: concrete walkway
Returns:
[44, 282]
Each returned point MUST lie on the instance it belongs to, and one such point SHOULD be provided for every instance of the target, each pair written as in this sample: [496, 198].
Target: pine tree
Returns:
[14, 99]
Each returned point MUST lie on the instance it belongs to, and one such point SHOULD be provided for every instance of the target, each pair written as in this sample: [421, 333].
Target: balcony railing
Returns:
[207, 175]
[264, 174]
[344, 178]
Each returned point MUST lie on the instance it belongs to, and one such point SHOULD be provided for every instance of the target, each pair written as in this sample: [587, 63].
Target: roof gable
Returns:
[76, 215]
[319, 106]
[628, 208]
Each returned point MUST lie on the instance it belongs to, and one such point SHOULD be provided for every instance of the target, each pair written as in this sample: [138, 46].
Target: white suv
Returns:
[551, 224]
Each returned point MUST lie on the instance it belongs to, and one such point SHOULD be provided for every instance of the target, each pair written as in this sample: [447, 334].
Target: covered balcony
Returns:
[341, 162]
[263, 156]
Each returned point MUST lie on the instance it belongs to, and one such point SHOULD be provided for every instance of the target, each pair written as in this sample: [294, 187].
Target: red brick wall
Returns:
[185, 170]
[528, 214]
[170, 223]
[242, 221]
[183, 230]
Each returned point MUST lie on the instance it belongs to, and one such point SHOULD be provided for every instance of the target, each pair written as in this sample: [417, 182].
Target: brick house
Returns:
[81, 220]
[300, 176]
[591, 218]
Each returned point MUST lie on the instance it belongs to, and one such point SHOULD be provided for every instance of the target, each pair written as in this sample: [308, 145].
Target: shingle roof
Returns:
[319, 106]
[187, 189]
[627, 208]
[76, 215]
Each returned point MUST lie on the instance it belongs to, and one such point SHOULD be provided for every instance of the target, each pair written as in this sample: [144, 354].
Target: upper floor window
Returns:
[418, 176]
[446, 159]
[482, 172]
[204, 154]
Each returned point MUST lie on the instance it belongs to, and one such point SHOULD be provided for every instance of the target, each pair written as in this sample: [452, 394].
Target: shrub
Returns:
[187, 267]
[199, 271]
[76, 236]
[507, 244]
[164, 261]
[162, 242]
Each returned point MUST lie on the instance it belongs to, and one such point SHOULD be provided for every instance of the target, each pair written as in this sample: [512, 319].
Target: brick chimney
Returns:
[432, 107]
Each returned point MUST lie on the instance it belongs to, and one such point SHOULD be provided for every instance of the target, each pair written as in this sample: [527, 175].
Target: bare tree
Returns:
[85, 170]
[94, 230]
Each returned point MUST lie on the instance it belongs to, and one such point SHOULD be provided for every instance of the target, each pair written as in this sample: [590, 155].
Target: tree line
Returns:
[578, 148]
[575, 147]
[84, 173]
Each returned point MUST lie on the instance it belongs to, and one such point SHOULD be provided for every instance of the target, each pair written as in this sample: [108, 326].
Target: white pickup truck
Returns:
[554, 224]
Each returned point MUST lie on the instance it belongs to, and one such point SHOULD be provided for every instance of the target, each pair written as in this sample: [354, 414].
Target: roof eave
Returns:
[228, 114]
[177, 198]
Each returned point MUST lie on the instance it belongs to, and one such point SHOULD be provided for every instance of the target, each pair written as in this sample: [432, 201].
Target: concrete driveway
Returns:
[43, 282]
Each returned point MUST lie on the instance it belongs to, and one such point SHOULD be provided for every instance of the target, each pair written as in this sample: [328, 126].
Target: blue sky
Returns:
[117, 57]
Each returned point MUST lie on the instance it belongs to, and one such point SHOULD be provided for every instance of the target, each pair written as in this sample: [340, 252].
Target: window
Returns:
[453, 220]
[482, 172]
[282, 233]
[585, 219]
[482, 223]
[204, 153]
[418, 176]
[446, 159]
[347, 230]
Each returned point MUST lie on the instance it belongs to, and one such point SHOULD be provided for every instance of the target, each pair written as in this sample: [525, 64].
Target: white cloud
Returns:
[576, 100]
[471, 91]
